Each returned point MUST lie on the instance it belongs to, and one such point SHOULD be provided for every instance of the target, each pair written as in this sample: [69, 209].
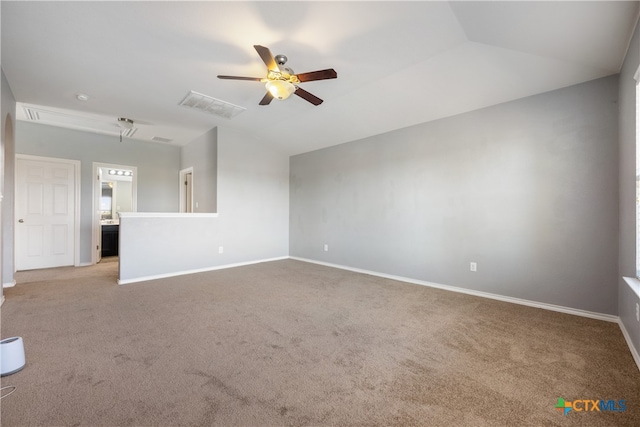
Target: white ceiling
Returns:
[398, 63]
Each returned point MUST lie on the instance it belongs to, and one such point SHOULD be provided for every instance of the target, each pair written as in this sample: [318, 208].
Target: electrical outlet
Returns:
[326, 247]
[220, 249]
[473, 266]
[638, 312]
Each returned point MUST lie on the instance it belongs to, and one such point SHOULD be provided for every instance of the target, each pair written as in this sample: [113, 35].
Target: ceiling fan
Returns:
[281, 81]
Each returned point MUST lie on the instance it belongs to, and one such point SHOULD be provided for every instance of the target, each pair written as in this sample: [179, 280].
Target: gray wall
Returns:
[253, 199]
[252, 183]
[158, 167]
[252, 223]
[202, 155]
[160, 245]
[7, 187]
[527, 189]
[627, 135]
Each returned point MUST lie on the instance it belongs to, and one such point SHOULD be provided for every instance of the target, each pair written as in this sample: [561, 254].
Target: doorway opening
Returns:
[114, 191]
[186, 190]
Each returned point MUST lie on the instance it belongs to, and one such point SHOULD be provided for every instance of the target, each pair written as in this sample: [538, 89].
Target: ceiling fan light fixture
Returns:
[281, 81]
[280, 89]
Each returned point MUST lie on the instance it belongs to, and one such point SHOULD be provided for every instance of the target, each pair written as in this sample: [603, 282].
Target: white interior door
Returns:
[45, 212]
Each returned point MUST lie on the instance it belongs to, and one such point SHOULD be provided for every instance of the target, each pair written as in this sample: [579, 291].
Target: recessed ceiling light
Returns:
[82, 97]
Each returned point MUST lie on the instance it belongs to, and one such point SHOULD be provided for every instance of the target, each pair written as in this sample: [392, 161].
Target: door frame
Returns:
[183, 193]
[96, 235]
[76, 200]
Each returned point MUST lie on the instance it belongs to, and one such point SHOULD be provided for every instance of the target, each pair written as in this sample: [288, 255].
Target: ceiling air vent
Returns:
[161, 139]
[31, 113]
[74, 120]
[211, 105]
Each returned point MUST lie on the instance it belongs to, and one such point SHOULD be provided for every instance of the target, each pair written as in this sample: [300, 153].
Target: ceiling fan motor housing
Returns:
[281, 60]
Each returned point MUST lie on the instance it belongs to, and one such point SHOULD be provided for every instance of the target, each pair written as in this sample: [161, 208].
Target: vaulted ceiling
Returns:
[398, 63]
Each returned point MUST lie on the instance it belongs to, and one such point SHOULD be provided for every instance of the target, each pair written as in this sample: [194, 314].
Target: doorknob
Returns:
[21, 220]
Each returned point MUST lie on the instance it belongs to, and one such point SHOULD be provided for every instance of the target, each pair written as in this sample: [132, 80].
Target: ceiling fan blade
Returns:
[256, 79]
[267, 57]
[266, 100]
[318, 75]
[307, 96]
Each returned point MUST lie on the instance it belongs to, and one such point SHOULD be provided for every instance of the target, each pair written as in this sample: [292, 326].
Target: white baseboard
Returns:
[627, 337]
[199, 270]
[9, 284]
[536, 304]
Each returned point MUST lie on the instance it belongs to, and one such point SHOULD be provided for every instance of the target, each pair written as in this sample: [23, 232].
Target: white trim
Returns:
[77, 164]
[634, 284]
[9, 285]
[529, 303]
[627, 337]
[166, 215]
[2, 302]
[636, 76]
[199, 270]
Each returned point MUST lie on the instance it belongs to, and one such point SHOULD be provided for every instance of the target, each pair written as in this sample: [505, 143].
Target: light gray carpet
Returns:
[292, 343]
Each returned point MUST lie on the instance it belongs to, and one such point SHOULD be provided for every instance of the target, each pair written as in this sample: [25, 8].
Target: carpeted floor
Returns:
[292, 343]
